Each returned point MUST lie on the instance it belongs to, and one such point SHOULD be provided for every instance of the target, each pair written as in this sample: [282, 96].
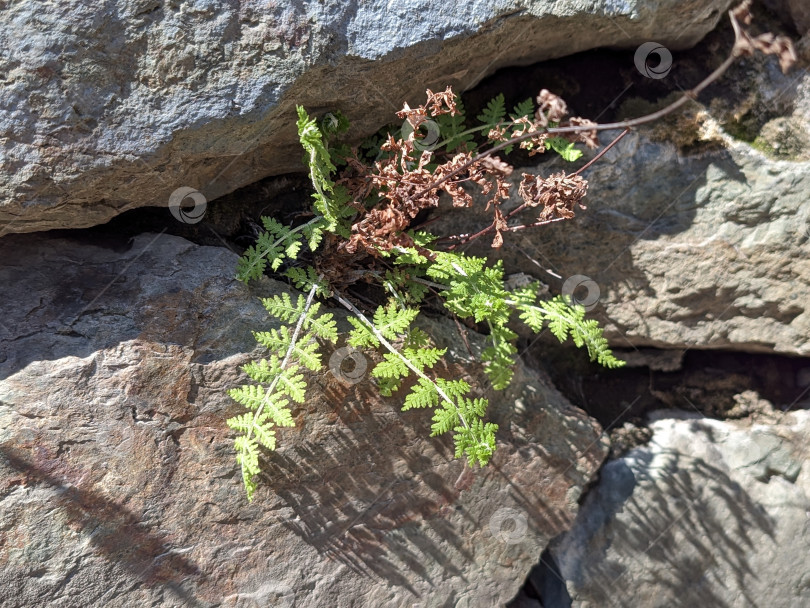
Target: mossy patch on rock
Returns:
[785, 137]
[686, 127]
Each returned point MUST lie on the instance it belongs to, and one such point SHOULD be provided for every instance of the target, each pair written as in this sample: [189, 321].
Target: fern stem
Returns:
[353, 309]
[469, 131]
[429, 283]
[287, 357]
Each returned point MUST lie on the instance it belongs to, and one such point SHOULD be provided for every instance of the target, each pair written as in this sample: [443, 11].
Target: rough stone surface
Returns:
[710, 513]
[119, 485]
[111, 106]
[708, 248]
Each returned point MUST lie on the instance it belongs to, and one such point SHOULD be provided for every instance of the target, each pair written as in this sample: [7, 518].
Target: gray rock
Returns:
[710, 513]
[119, 485]
[111, 106]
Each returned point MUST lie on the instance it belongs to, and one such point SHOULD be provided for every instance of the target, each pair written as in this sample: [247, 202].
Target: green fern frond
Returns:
[500, 357]
[263, 370]
[451, 407]
[307, 353]
[525, 109]
[282, 307]
[334, 124]
[279, 377]
[313, 232]
[391, 321]
[452, 128]
[454, 389]
[322, 326]
[477, 442]
[392, 366]
[274, 339]
[331, 201]
[424, 357]
[494, 112]
[472, 288]
[563, 320]
[403, 288]
[293, 385]
[423, 394]
[408, 256]
[250, 395]
[361, 336]
[247, 455]
[305, 278]
[275, 245]
[444, 420]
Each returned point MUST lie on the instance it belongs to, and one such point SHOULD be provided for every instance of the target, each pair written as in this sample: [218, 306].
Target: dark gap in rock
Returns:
[600, 84]
[229, 221]
[545, 586]
[713, 383]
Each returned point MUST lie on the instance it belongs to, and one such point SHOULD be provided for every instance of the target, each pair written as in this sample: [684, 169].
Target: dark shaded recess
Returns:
[594, 84]
[231, 221]
[706, 383]
[545, 586]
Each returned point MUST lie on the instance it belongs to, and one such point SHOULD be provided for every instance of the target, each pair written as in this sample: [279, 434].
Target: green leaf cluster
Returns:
[331, 200]
[276, 245]
[453, 410]
[475, 290]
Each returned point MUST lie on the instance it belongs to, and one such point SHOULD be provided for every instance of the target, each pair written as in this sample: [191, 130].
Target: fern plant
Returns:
[410, 268]
[361, 228]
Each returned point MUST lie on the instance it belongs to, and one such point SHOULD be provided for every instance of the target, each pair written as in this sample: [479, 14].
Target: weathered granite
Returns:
[710, 513]
[112, 106]
[119, 485]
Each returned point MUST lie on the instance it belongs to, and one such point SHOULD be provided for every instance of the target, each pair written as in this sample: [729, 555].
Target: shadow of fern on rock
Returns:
[115, 533]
